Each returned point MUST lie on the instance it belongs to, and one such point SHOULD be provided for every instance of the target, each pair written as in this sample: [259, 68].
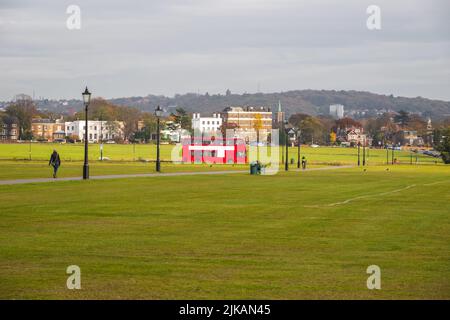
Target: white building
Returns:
[98, 130]
[337, 111]
[206, 124]
[173, 132]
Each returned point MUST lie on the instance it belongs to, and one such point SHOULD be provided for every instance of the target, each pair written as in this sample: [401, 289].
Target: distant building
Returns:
[206, 124]
[429, 126]
[47, 129]
[9, 129]
[408, 138]
[337, 111]
[140, 125]
[429, 136]
[279, 115]
[98, 130]
[357, 136]
[247, 121]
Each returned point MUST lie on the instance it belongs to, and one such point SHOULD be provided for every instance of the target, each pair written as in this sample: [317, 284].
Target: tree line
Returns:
[23, 110]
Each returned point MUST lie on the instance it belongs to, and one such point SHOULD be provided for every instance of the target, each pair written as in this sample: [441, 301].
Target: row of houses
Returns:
[59, 130]
[247, 123]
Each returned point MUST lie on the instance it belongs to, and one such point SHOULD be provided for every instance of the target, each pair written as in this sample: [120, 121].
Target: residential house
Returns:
[9, 129]
[99, 131]
[47, 129]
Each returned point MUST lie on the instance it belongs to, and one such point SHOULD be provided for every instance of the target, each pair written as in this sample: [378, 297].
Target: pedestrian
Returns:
[55, 162]
[303, 163]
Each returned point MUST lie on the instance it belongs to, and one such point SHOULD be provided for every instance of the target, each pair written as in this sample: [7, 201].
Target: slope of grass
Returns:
[295, 235]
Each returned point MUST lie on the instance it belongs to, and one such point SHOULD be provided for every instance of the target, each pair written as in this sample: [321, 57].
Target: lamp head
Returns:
[158, 112]
[86, 97]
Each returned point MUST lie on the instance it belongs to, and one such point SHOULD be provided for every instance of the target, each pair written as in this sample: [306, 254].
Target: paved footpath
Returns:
[144, 175]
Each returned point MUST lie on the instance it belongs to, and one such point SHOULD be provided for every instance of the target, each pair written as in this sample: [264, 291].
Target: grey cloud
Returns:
[140, 47]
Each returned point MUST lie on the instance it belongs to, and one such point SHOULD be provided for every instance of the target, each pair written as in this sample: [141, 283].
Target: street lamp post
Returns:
[298, 148]
[86, 100]
[286, 160]
[387, 154]
[364, 153]
[158, 114]
[283, 130]
[359, 154]
[101, 137]
[286, 142]
[392, 154]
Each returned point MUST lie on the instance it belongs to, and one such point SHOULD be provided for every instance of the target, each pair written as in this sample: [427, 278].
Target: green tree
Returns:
[145, 134]
[444, 146]
[402, 118]
[182, 118]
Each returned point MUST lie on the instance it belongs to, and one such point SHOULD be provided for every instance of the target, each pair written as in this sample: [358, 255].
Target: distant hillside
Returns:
[312, 102]
[357, 103]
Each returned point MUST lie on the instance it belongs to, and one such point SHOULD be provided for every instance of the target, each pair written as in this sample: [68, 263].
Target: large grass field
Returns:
[130, 152]
[295, 235]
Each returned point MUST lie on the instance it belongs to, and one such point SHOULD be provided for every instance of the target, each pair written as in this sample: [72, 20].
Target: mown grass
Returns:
[129, 152]
[11, 170]
[231, 236]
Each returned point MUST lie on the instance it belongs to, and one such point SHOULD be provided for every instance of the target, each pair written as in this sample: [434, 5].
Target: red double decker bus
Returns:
[216, 150]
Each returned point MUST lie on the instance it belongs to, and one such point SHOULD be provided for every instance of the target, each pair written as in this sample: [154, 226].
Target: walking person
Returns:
[303, 163]
[55, 162]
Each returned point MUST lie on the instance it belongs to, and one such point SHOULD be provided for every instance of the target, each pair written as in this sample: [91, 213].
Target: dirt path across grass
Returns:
[144, 175]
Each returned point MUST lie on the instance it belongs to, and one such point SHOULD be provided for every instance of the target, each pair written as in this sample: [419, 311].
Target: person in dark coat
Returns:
[55, 162]
[303, 163]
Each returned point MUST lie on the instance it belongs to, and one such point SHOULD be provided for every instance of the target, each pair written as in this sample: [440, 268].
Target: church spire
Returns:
[280, 114]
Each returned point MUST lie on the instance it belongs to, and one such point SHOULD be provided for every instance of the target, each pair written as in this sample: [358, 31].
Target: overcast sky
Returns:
[130, 48]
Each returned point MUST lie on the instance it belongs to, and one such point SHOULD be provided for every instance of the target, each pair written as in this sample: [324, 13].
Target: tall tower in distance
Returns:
[280, 114]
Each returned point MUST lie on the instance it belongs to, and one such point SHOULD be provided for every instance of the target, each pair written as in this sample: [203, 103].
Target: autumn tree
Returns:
[418, 124]
[23, 109]
[347, 123]
[103, 110]
[257, 125]
[312, 129]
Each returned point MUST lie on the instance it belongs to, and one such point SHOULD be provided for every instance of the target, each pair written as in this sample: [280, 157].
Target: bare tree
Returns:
[24, 109]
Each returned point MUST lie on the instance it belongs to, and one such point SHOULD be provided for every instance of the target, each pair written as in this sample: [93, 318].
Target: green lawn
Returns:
[129, 152]
[10, 170]
[290, 236]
